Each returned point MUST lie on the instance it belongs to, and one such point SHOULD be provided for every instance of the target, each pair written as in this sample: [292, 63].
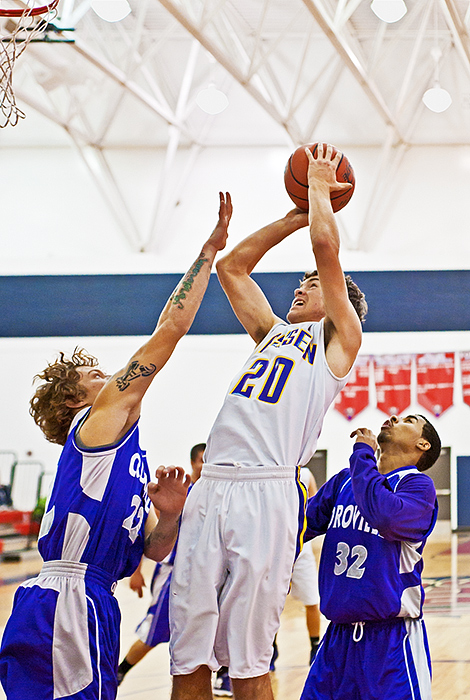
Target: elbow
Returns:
[176, 328]
[325, 247]
[225, 264]
[221, 267]
[227, 267]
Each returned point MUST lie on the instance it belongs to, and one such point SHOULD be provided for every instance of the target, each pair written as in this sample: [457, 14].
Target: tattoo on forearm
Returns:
[134, 371]
[187, 283]
[157, 538]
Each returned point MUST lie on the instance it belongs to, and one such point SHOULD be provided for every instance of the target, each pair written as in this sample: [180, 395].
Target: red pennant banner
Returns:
[465, 371]
[393, 383]
[354, 398]
[435, 380]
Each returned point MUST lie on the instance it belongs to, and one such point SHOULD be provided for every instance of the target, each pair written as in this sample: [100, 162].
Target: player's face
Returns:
[196, 466]
[308, 302]
[92, 381]
[404, 432]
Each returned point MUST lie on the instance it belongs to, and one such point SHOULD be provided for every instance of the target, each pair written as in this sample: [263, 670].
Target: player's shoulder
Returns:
[339, 481]
[410, 478]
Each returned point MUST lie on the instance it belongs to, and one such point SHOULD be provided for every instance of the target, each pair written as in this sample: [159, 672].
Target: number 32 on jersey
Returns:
[273, 376]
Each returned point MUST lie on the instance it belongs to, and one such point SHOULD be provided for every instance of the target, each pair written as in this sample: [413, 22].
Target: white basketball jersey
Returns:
[274, 409]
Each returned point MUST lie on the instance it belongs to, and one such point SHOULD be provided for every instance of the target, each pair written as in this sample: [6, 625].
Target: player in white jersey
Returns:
[62, 639]
[242, 523]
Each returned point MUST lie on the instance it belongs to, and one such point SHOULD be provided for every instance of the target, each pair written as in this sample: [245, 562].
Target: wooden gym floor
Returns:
[447, 614]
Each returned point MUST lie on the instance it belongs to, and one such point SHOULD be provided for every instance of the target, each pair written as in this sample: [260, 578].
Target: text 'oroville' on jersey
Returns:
[350, 517]
[299, 338]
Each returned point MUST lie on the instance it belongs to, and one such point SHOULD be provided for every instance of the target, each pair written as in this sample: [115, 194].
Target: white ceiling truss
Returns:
[292, 68]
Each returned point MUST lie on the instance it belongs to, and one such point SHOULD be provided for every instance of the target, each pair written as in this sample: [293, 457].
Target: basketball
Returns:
[295, 178]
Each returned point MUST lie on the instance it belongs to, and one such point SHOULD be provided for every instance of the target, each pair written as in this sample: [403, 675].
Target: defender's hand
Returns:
[219, 235]
[168, 492]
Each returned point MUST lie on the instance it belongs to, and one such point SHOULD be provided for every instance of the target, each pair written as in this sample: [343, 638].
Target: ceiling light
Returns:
[437, 99]
[111, 10]
[211, 100]
[389, 10]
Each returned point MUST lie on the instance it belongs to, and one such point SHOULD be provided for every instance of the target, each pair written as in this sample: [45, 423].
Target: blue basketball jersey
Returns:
[375, 529]
[98, 506]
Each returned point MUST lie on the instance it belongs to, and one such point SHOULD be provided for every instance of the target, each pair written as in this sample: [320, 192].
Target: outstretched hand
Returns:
[168, 492]
[219, 235]
[137, 583]
[322, 168]
[366, 436]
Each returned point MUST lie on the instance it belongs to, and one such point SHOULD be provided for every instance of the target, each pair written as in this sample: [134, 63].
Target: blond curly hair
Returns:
[60, 386]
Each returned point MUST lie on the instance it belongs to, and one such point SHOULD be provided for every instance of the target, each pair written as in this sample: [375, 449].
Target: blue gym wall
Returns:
[107, 305]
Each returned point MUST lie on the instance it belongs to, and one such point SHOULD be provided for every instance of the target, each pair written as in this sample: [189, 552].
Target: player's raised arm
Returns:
[343, 331]
[117, 406]
[246, 298]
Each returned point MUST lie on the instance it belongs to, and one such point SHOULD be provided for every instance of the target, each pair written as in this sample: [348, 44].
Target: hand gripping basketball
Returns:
[296, 176]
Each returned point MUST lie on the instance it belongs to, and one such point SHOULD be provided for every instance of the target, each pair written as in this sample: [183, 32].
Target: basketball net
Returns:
[22, 25]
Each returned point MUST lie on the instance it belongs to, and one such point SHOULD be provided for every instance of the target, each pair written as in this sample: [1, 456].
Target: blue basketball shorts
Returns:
[155, 627]
[389, 660]
[62, 638]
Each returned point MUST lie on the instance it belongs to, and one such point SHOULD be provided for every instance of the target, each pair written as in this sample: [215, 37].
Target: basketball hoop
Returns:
[23, 24]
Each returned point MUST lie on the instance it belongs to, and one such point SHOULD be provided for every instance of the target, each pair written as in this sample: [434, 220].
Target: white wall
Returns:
[55, 220]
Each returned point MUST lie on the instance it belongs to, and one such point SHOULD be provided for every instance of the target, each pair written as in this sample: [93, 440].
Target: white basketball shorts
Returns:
[305, 577]
[238, 540]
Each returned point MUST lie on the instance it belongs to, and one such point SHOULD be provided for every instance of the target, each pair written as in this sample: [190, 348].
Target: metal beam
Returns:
[381, 193]
[53, 116]
[231, 68]
[100, 171]
[459, 31]
[133, 88]
[353, 63]
[163, 201]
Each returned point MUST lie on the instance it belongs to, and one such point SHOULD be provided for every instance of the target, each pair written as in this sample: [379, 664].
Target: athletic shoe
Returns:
[222, 686]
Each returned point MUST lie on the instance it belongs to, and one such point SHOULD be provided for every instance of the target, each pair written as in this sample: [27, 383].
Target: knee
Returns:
[191, 685]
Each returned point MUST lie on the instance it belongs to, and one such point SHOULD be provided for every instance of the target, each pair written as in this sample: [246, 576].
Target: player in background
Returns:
[304, 582]
[62, 638]
[242, 523]
[376, 517]
[155, 627]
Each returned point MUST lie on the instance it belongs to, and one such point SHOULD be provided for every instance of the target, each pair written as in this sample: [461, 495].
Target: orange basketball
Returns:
[295, 178]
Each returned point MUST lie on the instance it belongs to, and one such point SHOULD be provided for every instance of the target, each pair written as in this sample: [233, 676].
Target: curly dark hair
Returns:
[356, 297]
[60, 379]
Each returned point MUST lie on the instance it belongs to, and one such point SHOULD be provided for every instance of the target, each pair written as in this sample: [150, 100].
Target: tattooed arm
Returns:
[117, 406]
